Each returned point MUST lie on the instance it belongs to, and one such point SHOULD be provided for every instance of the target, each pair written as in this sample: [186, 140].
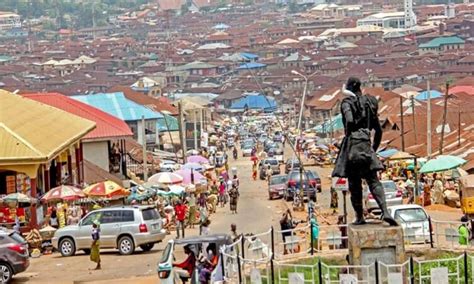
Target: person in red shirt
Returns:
[180, 211]
[185, 269]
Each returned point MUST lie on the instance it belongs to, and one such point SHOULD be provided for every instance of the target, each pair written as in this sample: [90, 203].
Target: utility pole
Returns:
[182, 130]
[402, 126]
[445, 112]
[195, 130]
[428, 121]
[413, 117]
[93, 19]
[330, 123]
[145, 167]
[459, 126]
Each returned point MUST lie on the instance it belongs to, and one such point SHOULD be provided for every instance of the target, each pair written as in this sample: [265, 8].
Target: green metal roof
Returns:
[439, 41]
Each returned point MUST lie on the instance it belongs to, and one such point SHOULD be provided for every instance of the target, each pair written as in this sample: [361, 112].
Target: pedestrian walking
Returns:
[234, 197]
[254, 171]
[463, 231]
[222, 193]
[334, 200]
[180, 211]
[314, 230]
[192, 210]
[95, 247]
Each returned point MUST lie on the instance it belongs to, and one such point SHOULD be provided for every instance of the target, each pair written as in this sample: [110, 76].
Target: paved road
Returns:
[256, 214]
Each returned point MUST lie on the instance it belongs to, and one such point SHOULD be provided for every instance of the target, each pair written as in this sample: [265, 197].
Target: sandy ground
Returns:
[256, 214]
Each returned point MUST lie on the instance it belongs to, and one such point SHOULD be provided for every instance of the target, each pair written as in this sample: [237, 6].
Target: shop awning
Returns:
[32, 132]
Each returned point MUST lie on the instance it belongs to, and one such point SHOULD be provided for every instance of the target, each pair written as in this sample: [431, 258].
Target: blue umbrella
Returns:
[387, 153]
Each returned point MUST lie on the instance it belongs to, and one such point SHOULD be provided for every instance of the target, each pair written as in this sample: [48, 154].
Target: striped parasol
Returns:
[64, 193]
[165, 178]
[107, 189]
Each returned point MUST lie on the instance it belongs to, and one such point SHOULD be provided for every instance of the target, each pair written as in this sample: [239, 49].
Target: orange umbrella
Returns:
[106, 189]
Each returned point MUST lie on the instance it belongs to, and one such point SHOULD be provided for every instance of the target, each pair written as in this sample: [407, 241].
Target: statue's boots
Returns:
[359, 212]
[379, 196]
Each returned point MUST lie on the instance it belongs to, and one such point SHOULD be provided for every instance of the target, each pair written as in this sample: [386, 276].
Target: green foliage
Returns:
[71, 13]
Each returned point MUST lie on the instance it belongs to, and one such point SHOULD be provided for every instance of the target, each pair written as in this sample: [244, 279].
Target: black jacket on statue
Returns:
[355, 115]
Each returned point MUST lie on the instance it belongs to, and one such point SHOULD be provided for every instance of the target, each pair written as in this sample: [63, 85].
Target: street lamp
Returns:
[294, 72]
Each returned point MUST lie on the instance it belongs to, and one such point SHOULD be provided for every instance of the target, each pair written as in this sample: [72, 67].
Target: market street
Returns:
[256, 215]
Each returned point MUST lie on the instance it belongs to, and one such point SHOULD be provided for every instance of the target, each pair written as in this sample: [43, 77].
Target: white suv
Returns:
[124, 228]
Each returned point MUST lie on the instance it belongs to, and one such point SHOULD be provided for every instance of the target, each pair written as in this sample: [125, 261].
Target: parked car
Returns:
[13, 254]
[277, 186]
[274, 164]
[414, 221]
[393, 196]
[277, 137]
[292, 164]
[123, 228]
[247, 150]
[198, 245]
[311, 183]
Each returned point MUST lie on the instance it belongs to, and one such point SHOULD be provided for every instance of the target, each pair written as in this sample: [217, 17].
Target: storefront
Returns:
[41, 148]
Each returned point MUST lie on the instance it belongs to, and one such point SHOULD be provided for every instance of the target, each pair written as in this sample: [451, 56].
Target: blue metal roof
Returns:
[251, 65]
[439, 41]
[423, 96]
[249, 56]
[119, 106]
[255, 102]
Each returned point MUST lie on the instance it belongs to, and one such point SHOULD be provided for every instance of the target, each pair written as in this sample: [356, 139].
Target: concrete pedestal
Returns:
[371, 242]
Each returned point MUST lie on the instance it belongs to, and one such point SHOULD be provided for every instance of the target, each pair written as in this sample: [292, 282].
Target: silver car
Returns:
[124, 228]
[393, 196]
[13, 255]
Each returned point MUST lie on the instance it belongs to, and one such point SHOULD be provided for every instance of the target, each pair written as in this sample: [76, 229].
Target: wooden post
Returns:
[412, 102]
[459, 127]
[428, 121]
[69, 167]
[145, 157]
[402, 126]
[445, 112]
[33, 218]
[182, 130]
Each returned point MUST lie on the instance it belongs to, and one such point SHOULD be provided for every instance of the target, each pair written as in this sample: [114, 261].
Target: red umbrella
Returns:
[254, 158]
[107, 189]
[63, 192]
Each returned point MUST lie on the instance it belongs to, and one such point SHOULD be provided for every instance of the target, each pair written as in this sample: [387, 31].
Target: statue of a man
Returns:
[360, 117]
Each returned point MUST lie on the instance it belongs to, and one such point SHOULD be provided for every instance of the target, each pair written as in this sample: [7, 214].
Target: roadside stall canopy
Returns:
[255, 101]
[326, 126]
[442, 163]
[401, 156]
[387, 153]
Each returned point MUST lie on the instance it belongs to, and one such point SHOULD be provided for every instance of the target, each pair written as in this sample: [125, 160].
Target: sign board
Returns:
[395, 278]
[439, 275]
[452, 235]
[340, 184]
[204, 139]
[190, 134]
[347, 279]
[295, 278]
[386, 255]
[334, 238]
[255, 277]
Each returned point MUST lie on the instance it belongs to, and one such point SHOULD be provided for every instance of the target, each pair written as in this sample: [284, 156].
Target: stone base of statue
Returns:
[375, 241]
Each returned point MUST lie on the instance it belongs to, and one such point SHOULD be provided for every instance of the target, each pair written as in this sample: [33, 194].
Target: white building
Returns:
[385, 20]
[9, 21]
